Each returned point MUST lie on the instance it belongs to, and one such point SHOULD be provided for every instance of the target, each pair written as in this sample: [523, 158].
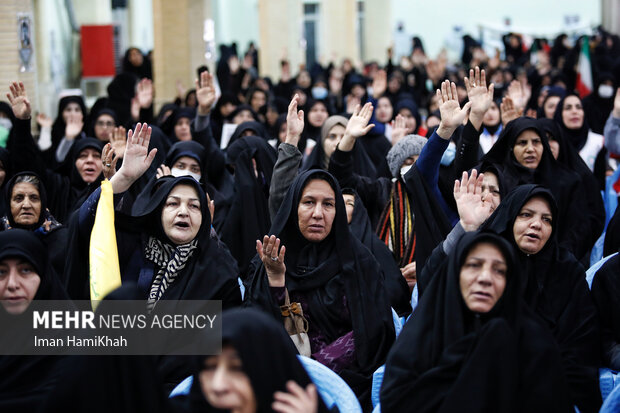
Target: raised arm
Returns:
[289, 157]
[137, 158]
[479, 95]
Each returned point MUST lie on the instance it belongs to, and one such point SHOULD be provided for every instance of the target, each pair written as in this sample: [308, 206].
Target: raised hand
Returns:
[479, 95]
[44, 121]
[519, 94]
[296, 399]
[358, 123]
[144, 93]
[205, 93]
[137, 158]
[294, 122]
[451, 113]
[19, 100]
[118, 141]
[162, 170]
[508, 110]
[272, 259]
[109, 159]
[399, 129]
[379, 84]
[473, 210]
[74, 126]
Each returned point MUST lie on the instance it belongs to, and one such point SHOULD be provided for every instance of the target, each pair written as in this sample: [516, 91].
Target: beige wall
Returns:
[377, 34]
[279, 35]
[178, 45]
[337, 29]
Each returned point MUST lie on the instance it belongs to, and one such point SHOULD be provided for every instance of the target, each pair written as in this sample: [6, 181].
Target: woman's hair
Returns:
[28, 179]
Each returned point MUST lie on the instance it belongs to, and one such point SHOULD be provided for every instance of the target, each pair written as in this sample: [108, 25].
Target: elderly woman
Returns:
[472, 341]
[236, 381]
[28, 209]
[25, 275]
[333, 278]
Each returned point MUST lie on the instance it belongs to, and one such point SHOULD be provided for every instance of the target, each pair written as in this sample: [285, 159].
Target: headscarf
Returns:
[176, 115]
[253, 126]
[323, 272]
[93, 121]
[555, 288]
[251, 332]
[606, 296]
[448, 357]
[577, 137]
[248, 217]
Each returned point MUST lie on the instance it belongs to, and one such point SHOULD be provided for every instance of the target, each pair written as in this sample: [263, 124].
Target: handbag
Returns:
[296, 325]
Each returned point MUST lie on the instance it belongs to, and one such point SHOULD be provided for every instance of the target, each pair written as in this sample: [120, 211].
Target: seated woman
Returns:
[553, 285]
[25, 275]
[472, 342]
[237, 380]
[28, 209]
[330, 276]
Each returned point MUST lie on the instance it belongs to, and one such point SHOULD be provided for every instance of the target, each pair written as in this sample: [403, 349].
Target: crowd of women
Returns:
[464, 198]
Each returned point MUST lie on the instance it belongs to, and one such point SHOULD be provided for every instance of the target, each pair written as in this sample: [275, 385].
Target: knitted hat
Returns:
[410, 145]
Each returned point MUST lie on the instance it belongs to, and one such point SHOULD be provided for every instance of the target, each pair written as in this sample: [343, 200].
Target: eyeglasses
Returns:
[107, 124]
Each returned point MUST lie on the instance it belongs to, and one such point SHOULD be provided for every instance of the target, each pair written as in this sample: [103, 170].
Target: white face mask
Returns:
[605, 91]
[176, 172]
[6, 123]
[404, 169]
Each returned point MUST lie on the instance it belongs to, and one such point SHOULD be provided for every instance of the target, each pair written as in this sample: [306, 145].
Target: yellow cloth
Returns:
[105, 273]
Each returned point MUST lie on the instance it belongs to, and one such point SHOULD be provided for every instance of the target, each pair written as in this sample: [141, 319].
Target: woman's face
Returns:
[304, 80]
[88, 164]
[136, 58]
[384, 110]
[104, 126]
[332, 139]
[533, 225]
[224, 383]
[410, 121]
[349, 203]
[74, 110]
[528, 149]
[181, 215]
[258, 100]
[25, 204]
[483, 277]
[490, 190]
[227, 108]
[317, 115]
[316, 210]
[242, 116]
[189, 164]
[19, 283]
[550, 105]
[491, 116]
[182, 130]
[281, 133]
[572, 112]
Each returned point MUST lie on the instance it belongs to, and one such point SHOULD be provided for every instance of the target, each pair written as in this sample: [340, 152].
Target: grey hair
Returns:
[29, 179]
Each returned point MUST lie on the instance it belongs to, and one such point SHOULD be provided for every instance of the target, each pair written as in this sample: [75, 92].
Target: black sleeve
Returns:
[25, 154]
[467, 150]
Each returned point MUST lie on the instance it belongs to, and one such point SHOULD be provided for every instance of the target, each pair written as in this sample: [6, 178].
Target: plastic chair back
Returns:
[333, 389]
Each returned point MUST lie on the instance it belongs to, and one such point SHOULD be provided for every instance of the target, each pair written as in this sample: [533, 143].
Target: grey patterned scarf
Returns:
[170, 260]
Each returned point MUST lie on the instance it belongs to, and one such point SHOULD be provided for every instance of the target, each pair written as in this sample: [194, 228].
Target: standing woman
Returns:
[332, 275]
[68, 126]
[571, 118]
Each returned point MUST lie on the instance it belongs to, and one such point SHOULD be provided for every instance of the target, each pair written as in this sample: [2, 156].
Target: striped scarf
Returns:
[396, 225]
[170, 261]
